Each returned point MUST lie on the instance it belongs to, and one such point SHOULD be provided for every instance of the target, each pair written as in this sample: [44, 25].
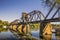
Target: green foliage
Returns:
[0, 21]
[57, 1]
[51, 2]
[3, 23]
[54, 26]
[35, 26]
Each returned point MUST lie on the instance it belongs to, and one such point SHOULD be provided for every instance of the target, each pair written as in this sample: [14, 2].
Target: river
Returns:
[35, 34]
[8, 35]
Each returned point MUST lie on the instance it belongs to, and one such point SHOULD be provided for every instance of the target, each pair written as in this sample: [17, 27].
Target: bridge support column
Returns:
[45, 28]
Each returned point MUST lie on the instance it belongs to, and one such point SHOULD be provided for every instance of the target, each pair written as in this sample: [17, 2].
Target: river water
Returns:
[35, 34]
[8, 35]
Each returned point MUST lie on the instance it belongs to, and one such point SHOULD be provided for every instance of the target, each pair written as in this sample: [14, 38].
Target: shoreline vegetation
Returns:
[3, 23]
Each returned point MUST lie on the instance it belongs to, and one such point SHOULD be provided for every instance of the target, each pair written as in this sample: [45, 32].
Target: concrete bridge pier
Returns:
[45, 28]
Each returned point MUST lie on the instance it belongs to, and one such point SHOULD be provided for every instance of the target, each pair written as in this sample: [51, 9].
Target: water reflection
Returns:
[35, 34]
[7, 34]
[53, 36]
[46, 37]
[23, 37]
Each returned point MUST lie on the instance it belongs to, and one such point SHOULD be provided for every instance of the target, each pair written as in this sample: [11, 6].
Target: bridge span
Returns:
[35, 16]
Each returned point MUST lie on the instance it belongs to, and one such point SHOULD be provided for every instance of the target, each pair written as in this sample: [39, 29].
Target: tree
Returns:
[1, 23]
[5, 23]
[50, 2]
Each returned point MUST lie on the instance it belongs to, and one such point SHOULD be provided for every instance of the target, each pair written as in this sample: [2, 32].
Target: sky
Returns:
[12, 9]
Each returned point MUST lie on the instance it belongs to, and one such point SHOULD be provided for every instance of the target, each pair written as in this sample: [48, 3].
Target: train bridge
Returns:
[35, 16]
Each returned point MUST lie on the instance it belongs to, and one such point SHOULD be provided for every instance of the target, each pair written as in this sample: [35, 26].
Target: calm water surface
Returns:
[8, 35]
[35, 34]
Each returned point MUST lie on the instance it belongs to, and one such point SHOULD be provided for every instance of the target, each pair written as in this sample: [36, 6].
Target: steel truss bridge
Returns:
[37, 16]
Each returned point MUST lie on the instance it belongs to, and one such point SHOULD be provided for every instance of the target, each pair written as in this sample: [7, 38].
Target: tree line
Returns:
[3, 23]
